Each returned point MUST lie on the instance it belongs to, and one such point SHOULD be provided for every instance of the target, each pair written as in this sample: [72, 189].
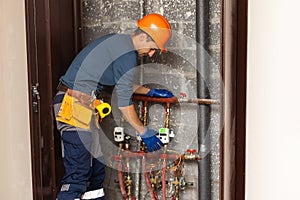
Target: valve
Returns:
[183, 184]
[191, 155]
[191, 151]
[182, 95]
[127, 141]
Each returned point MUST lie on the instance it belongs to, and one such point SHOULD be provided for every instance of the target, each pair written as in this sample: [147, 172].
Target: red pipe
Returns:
[174, 99]
[121, 181]
[153, 99]
[130, 154]
[153, 197]
[164, 186]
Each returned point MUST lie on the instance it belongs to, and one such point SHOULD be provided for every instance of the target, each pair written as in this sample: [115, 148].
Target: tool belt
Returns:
[77, 108]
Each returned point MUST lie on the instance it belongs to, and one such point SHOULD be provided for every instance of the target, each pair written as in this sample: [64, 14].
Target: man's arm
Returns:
[148, 136]
[132, 118]
[138, 89]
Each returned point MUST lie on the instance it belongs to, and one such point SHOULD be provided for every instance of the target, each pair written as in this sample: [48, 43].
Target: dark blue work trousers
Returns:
[84, 174]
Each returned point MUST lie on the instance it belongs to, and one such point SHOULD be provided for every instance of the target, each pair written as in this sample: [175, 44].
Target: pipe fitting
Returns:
[191, 155]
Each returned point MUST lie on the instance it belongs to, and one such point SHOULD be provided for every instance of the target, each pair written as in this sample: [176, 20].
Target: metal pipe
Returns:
[121, 180]
[152, 195]
[130, 154]
[163, 177]
[167, 120]
[137, 175]
[202, 33]
[128, 178]
[199, 101]
[176, 100]
[145, 112]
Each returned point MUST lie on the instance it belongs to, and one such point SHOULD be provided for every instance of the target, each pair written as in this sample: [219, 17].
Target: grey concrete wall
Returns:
[176, 71]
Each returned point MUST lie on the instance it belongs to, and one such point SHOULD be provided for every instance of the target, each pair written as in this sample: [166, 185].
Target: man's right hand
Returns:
[152, 142]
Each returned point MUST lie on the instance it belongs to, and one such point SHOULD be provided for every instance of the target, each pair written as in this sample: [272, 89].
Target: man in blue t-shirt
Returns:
[106, 62]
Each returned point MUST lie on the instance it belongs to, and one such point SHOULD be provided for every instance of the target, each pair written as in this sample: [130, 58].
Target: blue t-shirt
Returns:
[109, 60]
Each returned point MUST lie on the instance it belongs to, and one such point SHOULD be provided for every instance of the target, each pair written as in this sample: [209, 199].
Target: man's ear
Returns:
[142, 36]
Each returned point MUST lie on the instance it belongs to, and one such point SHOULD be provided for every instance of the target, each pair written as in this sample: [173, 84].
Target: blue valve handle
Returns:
[152, 142]
[160, 93]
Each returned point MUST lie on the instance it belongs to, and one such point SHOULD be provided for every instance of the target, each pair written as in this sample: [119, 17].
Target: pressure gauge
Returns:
[164, 135]
[119, 134]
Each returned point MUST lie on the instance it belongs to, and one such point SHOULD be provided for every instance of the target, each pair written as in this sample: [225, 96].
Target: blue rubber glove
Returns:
[160, 93]
[152, 142]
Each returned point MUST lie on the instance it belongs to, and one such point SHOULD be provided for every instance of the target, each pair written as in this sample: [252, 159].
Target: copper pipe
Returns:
[130, 154]
[137, 97]
[145, 112]
[199, 101]
[121, 181]
[163, 177]
[153, 197]
[175, 100]
[167, 115]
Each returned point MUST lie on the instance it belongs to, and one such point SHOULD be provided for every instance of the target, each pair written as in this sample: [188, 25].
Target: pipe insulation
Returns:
[202, 20]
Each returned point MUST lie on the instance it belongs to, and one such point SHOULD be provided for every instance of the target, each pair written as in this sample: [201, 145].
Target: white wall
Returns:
[15, 168]
[273, 109]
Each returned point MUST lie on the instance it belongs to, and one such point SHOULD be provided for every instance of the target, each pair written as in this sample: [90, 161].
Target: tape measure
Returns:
[103, 108]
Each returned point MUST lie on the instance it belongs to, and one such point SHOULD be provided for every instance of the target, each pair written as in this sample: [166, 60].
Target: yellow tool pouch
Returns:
[74, 113]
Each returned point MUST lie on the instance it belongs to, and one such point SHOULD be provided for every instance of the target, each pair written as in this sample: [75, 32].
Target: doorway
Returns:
[53, 30]
[54, 38]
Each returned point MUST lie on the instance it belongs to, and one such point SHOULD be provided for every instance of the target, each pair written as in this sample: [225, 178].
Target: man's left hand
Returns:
[160, 93]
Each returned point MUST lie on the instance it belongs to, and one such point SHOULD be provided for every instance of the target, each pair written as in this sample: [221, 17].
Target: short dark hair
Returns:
[139, 31]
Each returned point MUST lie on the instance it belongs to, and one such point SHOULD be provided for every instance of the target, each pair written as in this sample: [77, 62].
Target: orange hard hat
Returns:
[158, 27]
